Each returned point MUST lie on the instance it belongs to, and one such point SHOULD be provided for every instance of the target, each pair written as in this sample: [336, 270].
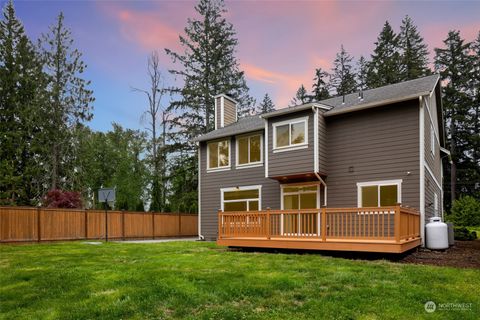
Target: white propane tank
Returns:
[436, 234]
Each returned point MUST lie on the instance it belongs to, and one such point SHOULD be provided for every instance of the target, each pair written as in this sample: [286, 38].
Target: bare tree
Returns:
[156, 118]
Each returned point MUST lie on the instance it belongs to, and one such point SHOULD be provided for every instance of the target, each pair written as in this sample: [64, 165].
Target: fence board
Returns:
[22, 224]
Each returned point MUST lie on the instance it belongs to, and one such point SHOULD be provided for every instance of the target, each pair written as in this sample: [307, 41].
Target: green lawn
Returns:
[196, 280]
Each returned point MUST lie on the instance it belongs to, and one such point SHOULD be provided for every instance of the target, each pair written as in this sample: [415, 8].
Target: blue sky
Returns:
[280, 42]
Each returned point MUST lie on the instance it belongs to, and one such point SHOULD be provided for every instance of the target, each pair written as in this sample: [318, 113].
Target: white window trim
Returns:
[380, 183]
[222, 168]
[242, 188]
[296, 146]
[301, 184]
[248, 164]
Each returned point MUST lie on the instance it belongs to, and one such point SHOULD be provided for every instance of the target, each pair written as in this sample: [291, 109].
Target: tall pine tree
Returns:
[320, 86]
[454, 66]
[266, 105]
[343, 75]
[207, 66]
[413, 50]
[22, 114]
[362, 73]
[301, 97]
[70, 99]
[384, 67]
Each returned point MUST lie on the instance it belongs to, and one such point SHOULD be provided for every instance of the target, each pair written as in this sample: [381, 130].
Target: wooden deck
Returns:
[385, 229]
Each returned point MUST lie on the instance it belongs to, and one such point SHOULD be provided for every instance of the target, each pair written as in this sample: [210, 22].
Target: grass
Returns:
[196, 280]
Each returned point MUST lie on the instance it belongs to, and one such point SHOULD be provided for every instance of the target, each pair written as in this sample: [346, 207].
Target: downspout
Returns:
[324, 188]
[422, 169]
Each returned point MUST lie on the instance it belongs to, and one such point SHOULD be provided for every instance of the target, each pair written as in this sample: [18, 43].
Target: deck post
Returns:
[268, 223]
[397, 223]
[324, 224]
[219, 223]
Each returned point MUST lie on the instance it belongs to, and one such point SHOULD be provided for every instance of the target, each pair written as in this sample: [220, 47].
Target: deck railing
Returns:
[379, 223]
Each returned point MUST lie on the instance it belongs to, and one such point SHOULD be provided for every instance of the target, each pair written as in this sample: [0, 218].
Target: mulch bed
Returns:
[464, 254]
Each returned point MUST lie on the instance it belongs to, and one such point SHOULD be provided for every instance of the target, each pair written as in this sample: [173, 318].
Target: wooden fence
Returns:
[40, 224]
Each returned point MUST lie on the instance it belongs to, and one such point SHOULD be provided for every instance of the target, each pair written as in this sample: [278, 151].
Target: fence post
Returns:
[86, 223]
[397, 223]
[268, 223]
[324, 224]
[39, 229]
[153, 225]
[123, 224]
[219, 223]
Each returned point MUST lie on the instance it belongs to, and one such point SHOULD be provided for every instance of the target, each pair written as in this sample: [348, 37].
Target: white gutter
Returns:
[200, 236]
[422, 169]
[324, 188]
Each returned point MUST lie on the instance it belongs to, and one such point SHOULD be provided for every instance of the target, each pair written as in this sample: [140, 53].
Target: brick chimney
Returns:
[225, 111]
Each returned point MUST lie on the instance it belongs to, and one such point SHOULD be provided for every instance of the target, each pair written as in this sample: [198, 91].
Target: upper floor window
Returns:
[290, 133]
[379, 193]
[249, 150]
[218, 154]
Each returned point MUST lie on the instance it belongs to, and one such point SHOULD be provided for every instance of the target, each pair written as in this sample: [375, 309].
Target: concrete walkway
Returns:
[158, 240]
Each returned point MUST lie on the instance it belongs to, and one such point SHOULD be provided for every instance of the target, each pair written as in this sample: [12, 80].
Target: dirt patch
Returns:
[464, 254]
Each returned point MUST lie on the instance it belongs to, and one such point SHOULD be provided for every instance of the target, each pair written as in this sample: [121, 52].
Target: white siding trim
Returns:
[216, 113]
[222, 112]
[266, 147]
[315, 140]
[422, 169]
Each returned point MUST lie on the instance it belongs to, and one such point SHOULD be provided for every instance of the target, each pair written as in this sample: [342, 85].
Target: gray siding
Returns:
[230, 110]
[380, 144]
[430, 189]
[293, 161]
[212, 182]
[433, 160]
[218, 120]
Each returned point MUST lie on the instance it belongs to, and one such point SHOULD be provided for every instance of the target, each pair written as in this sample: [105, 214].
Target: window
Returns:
[290, 133]
[241, 198]
[300, 197]
[432, 140]
[249, 150]
[218, 154]
[379, 193]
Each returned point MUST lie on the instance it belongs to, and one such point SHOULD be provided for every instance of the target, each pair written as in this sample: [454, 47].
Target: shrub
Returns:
[462, 233]
[465, 212]
[63, 199]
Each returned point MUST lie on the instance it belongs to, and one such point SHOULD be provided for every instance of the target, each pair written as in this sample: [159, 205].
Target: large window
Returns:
[379, 193]
[218, 154]
[300, 197]
[290, 133]
[241, 198]
[249, 150]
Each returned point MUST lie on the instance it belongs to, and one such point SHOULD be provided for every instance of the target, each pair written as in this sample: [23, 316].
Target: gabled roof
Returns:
[383, 95]
[243, 125]
[397, 92]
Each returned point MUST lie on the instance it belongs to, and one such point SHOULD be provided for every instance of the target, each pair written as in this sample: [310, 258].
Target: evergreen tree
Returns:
[266, 105]
[301, 97]
[207, 67]
[362, 73]
[414, 53]
[384, 67]
[22, 114]
[343, 75]
[70, 99]
[454, 66]
[320, 87]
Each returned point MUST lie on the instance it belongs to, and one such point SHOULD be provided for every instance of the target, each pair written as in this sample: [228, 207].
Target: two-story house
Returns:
[362, 172]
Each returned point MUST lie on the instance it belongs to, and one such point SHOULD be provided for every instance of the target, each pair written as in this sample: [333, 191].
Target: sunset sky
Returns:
[280, 42]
